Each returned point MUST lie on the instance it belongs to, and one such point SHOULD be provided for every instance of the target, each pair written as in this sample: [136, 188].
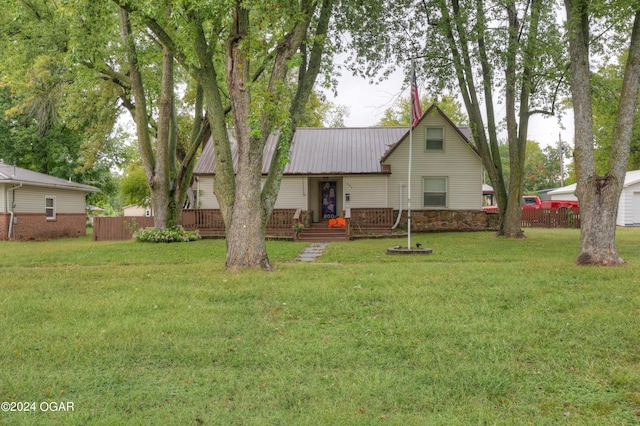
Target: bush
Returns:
[167, 235]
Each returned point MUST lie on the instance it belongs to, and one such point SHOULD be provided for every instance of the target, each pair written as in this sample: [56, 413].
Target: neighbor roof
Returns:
[630, 178]
[12, 174]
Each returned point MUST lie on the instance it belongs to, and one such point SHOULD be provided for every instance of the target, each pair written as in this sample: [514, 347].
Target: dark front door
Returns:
[329, 199]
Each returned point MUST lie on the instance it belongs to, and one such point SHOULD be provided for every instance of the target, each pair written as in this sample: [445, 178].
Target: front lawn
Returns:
[483, 331]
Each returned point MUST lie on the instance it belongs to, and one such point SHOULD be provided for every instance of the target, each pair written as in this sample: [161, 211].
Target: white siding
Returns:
[3, 198]
[31, 199]
[365, 191]
[457, 162]
[629, 206]
[206, 197]
[293, 193]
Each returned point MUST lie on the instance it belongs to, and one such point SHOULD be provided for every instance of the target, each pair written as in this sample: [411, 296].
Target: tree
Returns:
[606, 83]
[321, 113]
[50, 121]
[241, 58]
[134, 187]
[599, 193]
[401, 113]
[478, 49]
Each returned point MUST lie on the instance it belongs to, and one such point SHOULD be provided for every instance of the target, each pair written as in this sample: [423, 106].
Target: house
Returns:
[38, 206]
[628, 205]
[136, 210]
[332, 170]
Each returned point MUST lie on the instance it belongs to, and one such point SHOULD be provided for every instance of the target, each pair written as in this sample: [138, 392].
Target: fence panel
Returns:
[118, 228]
[551, 218]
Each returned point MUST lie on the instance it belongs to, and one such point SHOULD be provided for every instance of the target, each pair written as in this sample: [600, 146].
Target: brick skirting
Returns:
[35, 226]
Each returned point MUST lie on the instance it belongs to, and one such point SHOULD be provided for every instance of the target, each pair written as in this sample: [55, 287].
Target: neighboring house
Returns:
[628, 206]
[135, 210]
[332, 169]
[38, 206]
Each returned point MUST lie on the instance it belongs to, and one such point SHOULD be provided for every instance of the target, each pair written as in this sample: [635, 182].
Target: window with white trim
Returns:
[434, 191]
[50, 207]
[435, 139]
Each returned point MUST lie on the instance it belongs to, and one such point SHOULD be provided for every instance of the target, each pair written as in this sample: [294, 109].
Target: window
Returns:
[435, 138]
[50, 207]
[435, 192]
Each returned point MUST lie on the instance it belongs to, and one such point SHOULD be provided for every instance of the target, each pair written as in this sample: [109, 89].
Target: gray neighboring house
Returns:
[35, 206]
[332, 169]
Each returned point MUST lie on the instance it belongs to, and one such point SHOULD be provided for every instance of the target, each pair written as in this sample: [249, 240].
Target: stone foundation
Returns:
[449, 220]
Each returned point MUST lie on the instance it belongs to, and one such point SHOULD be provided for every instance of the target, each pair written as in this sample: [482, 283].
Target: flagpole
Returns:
[409, 183]
[416, 115]
[413, 78]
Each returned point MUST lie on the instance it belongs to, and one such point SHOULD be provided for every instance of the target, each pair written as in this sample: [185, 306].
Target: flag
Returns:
[416, 112]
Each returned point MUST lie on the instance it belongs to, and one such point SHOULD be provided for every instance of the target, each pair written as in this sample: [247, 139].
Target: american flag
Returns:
[416, 112]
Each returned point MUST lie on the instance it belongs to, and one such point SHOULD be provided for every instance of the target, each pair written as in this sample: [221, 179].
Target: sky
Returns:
[367, 103]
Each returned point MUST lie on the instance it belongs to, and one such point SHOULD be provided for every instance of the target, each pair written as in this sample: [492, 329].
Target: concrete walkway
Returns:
[312, 252]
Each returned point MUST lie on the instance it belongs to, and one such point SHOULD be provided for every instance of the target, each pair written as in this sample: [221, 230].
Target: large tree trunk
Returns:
[164, 214]
[246, 244]
[599, 195]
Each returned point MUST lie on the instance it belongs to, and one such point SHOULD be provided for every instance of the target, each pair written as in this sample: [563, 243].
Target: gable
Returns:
[434, 116]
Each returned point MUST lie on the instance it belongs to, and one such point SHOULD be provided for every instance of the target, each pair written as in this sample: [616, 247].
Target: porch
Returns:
[282, 224]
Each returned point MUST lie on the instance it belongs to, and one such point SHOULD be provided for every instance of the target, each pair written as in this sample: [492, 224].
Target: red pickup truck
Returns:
[534, 202]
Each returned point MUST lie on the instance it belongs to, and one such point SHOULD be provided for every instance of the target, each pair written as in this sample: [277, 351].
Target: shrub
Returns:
[167, 235]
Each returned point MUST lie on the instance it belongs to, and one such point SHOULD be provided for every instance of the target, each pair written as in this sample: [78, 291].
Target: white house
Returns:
[332, 169]
[628, 206]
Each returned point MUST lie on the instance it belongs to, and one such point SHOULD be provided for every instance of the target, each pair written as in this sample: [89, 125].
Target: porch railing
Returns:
[371, 217]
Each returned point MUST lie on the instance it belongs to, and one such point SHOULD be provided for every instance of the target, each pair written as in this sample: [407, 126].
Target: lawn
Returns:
[483, 331]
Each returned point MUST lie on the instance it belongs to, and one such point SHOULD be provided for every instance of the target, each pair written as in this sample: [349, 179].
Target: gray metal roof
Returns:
[12, 174]
[341, 150]
[317, 151]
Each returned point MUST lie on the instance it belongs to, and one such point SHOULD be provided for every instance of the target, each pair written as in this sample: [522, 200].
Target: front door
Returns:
[329, 199]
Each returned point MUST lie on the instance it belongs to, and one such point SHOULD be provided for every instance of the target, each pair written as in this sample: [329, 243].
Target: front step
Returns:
[322, 233]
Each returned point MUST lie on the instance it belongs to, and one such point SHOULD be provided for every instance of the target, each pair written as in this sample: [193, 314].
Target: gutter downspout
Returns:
[13, 206]
[395, 225]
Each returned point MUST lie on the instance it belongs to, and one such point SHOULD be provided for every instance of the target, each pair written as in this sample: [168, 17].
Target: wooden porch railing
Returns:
[371, 217]
[208, 221]
[202, 219]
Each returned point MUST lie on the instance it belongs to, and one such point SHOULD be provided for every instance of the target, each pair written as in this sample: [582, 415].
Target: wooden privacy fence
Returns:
[208, 221]
[551, 218]
[118, 228]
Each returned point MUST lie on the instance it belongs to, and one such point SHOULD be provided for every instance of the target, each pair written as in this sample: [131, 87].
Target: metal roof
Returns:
[341, 150]
[324, 151]
[12, 174]
[317, 151]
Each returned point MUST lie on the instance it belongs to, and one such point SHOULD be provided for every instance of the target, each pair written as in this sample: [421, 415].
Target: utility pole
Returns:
[561, 149]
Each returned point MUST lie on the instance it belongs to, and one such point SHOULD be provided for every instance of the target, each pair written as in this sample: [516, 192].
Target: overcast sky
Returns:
[367, 103]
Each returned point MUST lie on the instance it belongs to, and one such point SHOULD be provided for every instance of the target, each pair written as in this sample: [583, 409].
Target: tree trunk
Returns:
[246, 244]
[599, 195]
[598, 211]
[164, 214]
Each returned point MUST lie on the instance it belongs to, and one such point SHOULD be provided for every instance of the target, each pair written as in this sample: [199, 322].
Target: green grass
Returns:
[483, 331]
